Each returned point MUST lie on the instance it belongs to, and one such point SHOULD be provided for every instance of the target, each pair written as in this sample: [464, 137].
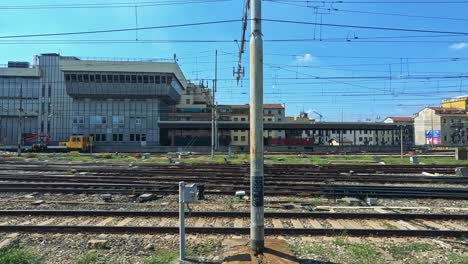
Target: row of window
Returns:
[99, 120]
[118, 78]
[118, 137]
[243, 119]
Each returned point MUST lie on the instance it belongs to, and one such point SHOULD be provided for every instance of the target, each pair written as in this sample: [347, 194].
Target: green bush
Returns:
[162, 257]
[18, 255]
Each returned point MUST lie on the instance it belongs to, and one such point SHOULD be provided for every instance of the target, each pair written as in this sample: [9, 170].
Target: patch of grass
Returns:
[18, 255]
[204, 248]
[315, 202]
[340, 242]
[400, 251]
[89, 258]
[454, 258]
[164, 256]
[316, 249]
[363, 253]
[388, 225]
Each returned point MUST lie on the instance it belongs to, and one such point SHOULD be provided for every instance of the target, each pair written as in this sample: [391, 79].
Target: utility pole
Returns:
[257, 231]
[215, 104]
[401, 141]
[20, 119]
[213, 109]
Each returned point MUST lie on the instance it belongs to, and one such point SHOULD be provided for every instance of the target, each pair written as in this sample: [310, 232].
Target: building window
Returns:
[97, 120]
[78, 120]
[145, 79]
[134, 79]
[98, 78]
[127, 78]
[114, 137]
[42, 126]
[242, 138]
[269, 119]
[269, 112]
[137, 137]
[80, 78]
[236, 138]
[98, 137]
[116, 78]
[86, 78]
[43, 90]
[91, 78]
[158, 79]
[169, 79]
[360, 139]
[187, 101]
[163, 79]
[243, 119]
[109, 78]
[143, 137]
[151, 79]
[42, 107]
[103, 137]
[50, 90]
[67, 77]
[138, 121]
[117, 120]
[49, 108]
[236, 119]
[279, 119]
[121, 78]
[73, 77]
[104, 78]
[120, 137]
[140, 79]
[48, 126]
[132, 137]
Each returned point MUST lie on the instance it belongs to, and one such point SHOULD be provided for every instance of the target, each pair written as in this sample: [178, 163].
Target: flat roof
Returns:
[67, 64]
[20, 72]
[226, 125]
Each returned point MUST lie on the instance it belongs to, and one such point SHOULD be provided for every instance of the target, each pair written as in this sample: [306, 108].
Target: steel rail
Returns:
[229, 230]
[234, 214]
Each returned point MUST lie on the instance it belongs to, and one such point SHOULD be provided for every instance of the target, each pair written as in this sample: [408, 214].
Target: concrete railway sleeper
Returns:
[230, 230]
[238, 214]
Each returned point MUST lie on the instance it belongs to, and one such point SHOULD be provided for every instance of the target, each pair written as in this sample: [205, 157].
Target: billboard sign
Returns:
[432, 137]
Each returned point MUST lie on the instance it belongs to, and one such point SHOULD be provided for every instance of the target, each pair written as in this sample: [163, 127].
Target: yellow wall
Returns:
[456, 103]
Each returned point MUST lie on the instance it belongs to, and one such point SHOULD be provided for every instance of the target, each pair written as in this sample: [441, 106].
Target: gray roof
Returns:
[20, 72]
[124, 66]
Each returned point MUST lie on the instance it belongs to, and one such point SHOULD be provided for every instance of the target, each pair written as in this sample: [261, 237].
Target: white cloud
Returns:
[459, 46]
[305, 58]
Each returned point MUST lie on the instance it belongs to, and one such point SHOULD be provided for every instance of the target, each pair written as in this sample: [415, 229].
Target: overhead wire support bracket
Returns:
[239, 73]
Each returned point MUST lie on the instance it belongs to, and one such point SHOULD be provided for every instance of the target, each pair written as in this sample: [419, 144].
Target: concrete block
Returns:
[461, 171]
[97, 244]
[146, 197]
[106, 197]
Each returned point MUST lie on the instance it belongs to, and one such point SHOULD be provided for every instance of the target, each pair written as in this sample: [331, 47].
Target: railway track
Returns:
[323, 190]
[277, 223]
[224, 169]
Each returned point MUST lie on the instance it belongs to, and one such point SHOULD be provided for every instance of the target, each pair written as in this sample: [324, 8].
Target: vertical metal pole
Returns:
[20, 117]
[401, 142]
[215, 88]
[181, 222]
[212, 122]
[256, 129]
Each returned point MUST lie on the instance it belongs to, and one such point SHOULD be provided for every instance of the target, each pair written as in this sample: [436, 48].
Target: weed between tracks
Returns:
[164, 256]
[18, 255]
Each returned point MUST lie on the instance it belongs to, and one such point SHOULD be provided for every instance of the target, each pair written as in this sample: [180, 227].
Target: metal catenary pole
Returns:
[256, 130]
[401, 142]
[181, 222]
[215, 105]
[20, 120]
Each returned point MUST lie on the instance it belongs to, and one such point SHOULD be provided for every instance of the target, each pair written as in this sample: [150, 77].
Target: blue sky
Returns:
[290, 67]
